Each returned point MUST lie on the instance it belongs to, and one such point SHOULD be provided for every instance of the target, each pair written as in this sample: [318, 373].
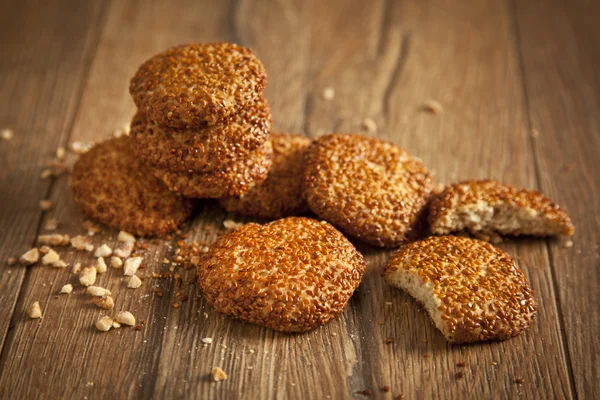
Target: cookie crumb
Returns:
[135, 282]
[105, 302]
[116, 262]
[54, 239]
[125, 318]
[76, 268]
[66, 289]
[30, 257]
[131, 266]
[97, 291]
[569, 244]
[125, 237]
[45, 205]
[370, 125]
[100, 265]
[50, 258]
[104, 324]
[328, 93]
[433, 106]
[34, 311]
[7, 134]
[87, 277]
[82, 243]
[103, 251]
[218, 374]
[124, 250]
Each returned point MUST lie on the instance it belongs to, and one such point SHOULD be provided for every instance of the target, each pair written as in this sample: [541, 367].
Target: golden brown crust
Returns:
[474, 290]
[280, 195]
[367, 187]
[524, 211]
[290, 275]
[113, 186]
[201, 149]
[233, 178]
[193, 85]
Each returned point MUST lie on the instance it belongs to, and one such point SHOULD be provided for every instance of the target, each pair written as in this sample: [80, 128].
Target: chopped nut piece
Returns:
[30, 257]
[46, 173]
[51, 225]
[7, 134]
[124, 250]
[66, 289]
[115, 324]
[82, 243]
[218, 374]
[45, 249]
[370, 125]
[54, 239]
[76, 268]
[125, 237]
[231, 224]
[207, 340]
[104, 323]
[106, 302]
[328, 93]
[91, 227]
[433, 107]
[569, 244]
[34, 310]
[116, 262]
[97, 291]
[87, 276]
[80, 148]
[131, 265]
[51, 258]
[60, 153]
[125, 318]
[11, 261]
[100, 265]
[46, 205]
[60, 264]
[103, 251]
[135, 282]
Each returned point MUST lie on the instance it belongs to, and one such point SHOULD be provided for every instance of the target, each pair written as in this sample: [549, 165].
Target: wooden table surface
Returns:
[520, 85]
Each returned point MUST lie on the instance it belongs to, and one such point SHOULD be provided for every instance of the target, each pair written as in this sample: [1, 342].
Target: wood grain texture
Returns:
[561, 67]
[483, 61]
[46, 56]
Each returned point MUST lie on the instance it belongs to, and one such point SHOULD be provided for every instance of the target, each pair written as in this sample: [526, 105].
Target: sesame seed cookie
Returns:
[201, 148]
[197, 84]
[488, 206]
[113, 186]
[233, 178]
[281, 194]
[472, 290]
[291, 275]
[369, 188]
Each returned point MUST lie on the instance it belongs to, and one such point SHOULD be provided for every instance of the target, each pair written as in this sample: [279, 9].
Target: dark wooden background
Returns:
[502, 70]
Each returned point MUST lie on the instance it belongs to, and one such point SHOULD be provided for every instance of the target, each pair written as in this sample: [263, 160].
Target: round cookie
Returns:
[472, 290]
[291, 275]
[369, 188]
[281, 194]
[110, 184]
[197, 84]
[233, 178]
[201, 148]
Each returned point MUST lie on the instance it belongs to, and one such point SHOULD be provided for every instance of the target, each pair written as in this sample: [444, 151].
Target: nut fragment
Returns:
[46, 173]
[124, 250]
[103, 251]
[106, 302]
[125, 318]
[80, 147]
[54, 239]
[370, 125]
[87, 276]
[60, 153]
[231, 224]
[207, 340]
[76, 268]
[45, 249]
[66, 289]
[104, 323]
[82, 243]
[100, 265]
[51, 258]
[115, 324]
[218, 374]
[97, 291]
[125, 237]
[91, 227]
[116, 262]
[135, 282]
[45, 205]
[328, 93]
[433, 107]
[30, 257]
[131, 266]
[34, 310]
[60, 264]
[7, 134]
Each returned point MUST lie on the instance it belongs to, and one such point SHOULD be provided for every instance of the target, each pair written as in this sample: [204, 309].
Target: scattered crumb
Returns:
[34, 311]
[535, 133]
[45, 205]
[386, 388]
[51, 224]
[106, 302]
[60, 153]
[103, 251]
[80, 147]
[87, 277]
[433, 106]
[389, 303]
[125, 318]
[135, 282]
[569, 244]
[103, 324]
[30, 257]
[11, 261]
[381, 322]
[365, 392]
[76, 268]
[439, 188]
[125, 237]
[218, 374]
[115, 324]
[50, 258]
[389, 340]
[131, 266]
[116, 262]
[46, 173]
[97, 291]
[91, 227]
[207, 340]
[82, 243]
[66, 289]
[124, 250]
[45, 249]
[461, 364]
[231, 224]
[54, 239]
[519, 381]
[459, 375]
[328, 93]
[100, 265]
[370, 125]
[399, 397]
[7, 134]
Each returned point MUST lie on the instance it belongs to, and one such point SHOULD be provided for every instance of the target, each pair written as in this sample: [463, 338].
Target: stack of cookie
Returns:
[202, 123]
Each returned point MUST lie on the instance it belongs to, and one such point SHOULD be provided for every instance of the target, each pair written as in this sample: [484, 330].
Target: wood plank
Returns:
[46, 53]
[64, 353]
[560, 53]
